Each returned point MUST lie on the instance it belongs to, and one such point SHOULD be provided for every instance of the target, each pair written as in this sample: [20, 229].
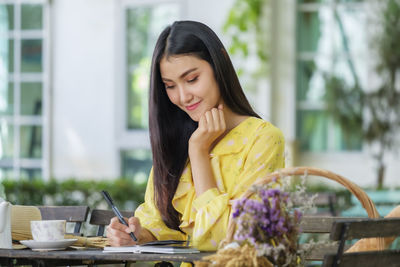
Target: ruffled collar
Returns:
[236, 138]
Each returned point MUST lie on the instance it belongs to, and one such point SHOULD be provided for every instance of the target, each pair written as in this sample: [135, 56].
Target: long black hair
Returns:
[170, 127]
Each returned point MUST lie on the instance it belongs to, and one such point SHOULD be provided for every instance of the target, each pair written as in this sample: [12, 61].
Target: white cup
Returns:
[48, 230]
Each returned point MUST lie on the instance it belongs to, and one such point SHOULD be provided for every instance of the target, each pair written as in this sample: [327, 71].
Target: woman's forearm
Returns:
[203, 177]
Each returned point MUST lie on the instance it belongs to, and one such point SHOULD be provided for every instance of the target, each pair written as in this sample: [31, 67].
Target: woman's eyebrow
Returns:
[182, 75]
[187, 72]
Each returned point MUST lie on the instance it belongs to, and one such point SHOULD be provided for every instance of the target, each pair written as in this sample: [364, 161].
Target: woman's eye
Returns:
[169, 86]
[192, 80]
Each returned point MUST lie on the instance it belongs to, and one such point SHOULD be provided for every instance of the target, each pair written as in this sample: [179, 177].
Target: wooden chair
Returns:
[72, 214]
[319, 226]
[326, 204]
[102, 218]
[343, 230]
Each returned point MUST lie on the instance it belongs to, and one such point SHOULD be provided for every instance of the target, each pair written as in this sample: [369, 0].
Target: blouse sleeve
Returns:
[266, 154]
[150, 217]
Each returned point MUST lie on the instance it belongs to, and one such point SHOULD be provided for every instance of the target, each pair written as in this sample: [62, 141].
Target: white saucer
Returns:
[48, 245]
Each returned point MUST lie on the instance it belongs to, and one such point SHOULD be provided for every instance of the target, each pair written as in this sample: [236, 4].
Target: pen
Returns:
[110, 202]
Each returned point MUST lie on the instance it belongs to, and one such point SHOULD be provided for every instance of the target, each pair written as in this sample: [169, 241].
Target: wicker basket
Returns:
[353, 188]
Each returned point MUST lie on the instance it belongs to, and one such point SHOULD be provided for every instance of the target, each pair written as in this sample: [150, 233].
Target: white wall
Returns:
[211, 12]
[83, 89]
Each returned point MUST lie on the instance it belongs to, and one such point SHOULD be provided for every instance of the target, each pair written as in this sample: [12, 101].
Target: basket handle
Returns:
[352, 187]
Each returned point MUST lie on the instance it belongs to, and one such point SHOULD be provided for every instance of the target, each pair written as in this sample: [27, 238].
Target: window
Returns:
[23, 89]
[331, 40]
[143, 22]
[136, 164]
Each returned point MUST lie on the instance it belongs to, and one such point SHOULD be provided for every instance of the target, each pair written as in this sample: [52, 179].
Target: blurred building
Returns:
[74, 81]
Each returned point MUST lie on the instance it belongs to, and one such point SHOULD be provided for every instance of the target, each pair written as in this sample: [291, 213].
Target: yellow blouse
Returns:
[248, 152]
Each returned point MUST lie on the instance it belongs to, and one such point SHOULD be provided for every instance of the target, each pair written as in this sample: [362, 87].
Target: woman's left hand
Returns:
[211, 126]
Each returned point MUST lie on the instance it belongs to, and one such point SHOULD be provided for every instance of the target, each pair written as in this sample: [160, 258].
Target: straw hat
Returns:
[21, 217]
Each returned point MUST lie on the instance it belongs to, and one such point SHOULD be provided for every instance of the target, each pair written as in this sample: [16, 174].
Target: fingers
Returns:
[115, 224]
[134, 225]
[211, 126]
[210, 121]
[213, 120]
[118, 234]
[222, 118]
[203, 122]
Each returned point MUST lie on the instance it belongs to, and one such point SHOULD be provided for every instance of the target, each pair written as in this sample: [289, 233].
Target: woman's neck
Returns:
[232, 119]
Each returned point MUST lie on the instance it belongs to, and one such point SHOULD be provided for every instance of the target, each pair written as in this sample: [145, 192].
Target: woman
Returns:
[208, 144]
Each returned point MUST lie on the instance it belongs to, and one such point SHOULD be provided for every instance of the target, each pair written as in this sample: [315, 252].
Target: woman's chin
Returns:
[195, 118]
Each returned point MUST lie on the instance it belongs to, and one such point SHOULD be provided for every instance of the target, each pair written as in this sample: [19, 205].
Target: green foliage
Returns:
[389, 43]
[346, 105]
[126, 193]
[2, 193]
[246, 28]
[383, 103]
[376, 113]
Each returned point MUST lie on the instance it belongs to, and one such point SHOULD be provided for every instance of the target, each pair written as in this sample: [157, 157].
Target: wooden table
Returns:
[11, 257]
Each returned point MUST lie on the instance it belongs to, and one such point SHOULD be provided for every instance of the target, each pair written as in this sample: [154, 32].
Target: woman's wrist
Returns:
[197, 150]
[145, 236]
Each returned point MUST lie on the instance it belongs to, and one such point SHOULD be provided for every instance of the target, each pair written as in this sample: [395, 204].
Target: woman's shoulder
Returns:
[261, 127]
[246, 134]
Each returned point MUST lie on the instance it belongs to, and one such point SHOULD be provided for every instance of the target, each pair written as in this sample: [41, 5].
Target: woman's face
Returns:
[190, 84]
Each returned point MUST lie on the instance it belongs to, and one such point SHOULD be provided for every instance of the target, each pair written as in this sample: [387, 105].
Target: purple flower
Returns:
[236, 213]
[266, 222]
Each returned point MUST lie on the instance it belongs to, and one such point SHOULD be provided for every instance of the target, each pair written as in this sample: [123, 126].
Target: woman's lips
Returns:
[193, 107]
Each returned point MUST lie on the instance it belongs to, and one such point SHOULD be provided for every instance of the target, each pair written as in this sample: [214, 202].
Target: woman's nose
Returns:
[184, 95]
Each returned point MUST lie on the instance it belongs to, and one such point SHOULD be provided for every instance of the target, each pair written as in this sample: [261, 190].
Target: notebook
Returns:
[163, 246]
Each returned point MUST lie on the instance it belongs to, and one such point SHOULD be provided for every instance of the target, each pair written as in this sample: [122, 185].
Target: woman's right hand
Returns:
[211, 126]
[118, 234]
